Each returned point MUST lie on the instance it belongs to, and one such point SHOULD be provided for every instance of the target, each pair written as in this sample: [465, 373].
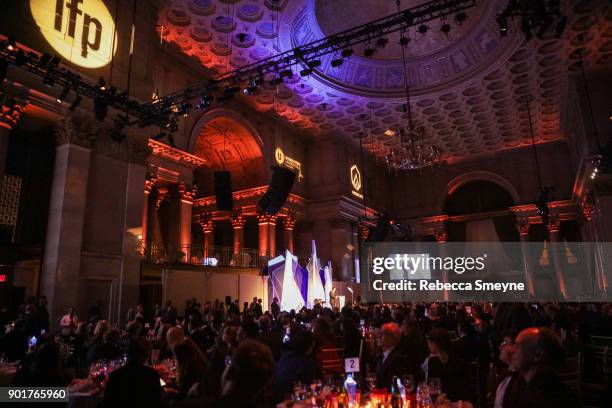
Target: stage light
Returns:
[404, 41]
[102, 84]
[368, 52]
[63, 95]
[305, 72]
[314, 63]
[446, 28]
[337, 62]
[423, 28]
[204, 102]
[100, 109]
[286, 73]
[48, 81]
[460, 17]
[3, 69]
[381, 42]
[75, 103]
[502, 22]
[11, 45]
[346, 53]
[251, 89]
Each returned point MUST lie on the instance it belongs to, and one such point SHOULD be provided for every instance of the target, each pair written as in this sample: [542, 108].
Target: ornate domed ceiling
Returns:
[465, 84]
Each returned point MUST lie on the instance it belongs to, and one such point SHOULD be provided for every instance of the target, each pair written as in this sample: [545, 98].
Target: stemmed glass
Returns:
[409, 383]
[435, 387]
[371, 380]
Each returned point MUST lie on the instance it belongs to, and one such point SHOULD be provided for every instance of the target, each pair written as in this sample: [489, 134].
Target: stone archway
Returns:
[472, 176]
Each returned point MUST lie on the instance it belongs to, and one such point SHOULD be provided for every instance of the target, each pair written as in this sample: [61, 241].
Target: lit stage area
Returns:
[306, 203]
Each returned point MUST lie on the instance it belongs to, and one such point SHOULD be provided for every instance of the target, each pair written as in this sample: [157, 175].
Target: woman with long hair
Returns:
[190, 368]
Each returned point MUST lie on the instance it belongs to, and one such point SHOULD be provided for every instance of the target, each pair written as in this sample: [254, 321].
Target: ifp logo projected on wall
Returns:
[81, 31]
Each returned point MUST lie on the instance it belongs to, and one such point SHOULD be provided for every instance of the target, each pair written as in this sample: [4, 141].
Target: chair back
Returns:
[571, 373]
[332, 361]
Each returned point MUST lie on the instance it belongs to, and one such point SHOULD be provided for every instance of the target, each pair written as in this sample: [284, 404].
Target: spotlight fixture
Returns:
[3, 68]
[305, 72]
[100, 109]
[48, 81]
[404, 41]
[336, 62]
[102, 84]
[368, 52]
[251, 89]
[446, 28]
[286, 73]
[538, 15]
[381, 42]
[460, 17]
[314, 63]
[276, 81]
[75, 103]
[11, 45]
[204, 102]
[346, 53]
[63, 95]
[502, 22]
[423, 28]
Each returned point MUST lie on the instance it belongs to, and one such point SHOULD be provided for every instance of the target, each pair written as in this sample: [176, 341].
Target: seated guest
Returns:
[323, 339]
[135, 383]
[174, 335]
[296, 363]
[445, 365]
[45, 370]
[272, 339]
[108, 350]
[247, 378]
[391, 361]
[413, 346]
[538, 354]
[190, 366]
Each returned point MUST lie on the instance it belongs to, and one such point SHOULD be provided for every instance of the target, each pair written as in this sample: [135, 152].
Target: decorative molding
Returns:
[187, 193]
[162, 193]
[73, 130]
[237, 222]
[175, 155]
[289, 222]
[523, 227]
[266, 219]
[207, 225]
[150, 180]
[247, 194]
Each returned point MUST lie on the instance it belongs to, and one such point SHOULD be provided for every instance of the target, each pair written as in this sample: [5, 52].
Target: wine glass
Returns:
[371, 380]
[297, 389]
[409, 383]
[435, 387]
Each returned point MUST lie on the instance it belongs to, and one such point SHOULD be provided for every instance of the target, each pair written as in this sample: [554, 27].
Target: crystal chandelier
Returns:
[413, 153]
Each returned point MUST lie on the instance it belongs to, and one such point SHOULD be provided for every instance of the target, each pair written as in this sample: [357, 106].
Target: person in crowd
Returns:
[170, 313]
[107, 350]
[324, 339]
[95, 312]
[296, 362]
[45, 369]
[391, 362]
[275, 307]
[43, 314]
[190, 368]
[272, 339]
[413, 346]
[68, 322]
[234, 308]
[442, 363]
[333, 298]
[538, 354]
[135, 383]
[174, 335]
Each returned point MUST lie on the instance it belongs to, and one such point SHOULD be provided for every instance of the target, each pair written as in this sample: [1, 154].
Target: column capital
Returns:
[162, 193]
[187, 193]
[237, 222]
[150, 180]
[207, 225]
[441, 236]
[523, 227]
[364, 230]
[554, 224]
[10, 110]
[289, 223]
[587, 210]
[266, 218]
[75, 130]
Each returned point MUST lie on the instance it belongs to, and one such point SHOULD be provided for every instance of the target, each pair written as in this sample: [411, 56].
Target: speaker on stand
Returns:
[223, 190]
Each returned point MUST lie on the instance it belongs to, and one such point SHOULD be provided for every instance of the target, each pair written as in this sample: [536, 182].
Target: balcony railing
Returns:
[194, 255]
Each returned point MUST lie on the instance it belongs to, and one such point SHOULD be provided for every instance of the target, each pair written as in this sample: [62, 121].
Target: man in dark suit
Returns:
[391, 362]
[135, 383]
[538, 353]
[275, 308]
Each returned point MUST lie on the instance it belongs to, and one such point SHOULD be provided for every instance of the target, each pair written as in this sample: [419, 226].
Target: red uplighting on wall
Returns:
[3, 278]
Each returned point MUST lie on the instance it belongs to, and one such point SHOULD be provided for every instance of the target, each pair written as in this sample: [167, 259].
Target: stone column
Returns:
[442, 237]
[186, 194]
[150, 181]
[272, 236]
[67, 205]
[208, 225]
[556, 249]
[238, 227]
[288, 225]
[522, 227]
[262, 222]
[10, 112]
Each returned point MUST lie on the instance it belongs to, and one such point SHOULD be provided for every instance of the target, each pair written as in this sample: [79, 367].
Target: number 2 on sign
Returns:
[351, 365]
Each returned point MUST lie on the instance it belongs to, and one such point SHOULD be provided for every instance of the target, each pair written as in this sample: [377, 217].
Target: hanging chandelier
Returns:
[413, 152]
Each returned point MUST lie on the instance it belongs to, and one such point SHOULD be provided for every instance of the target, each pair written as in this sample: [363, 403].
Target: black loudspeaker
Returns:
[278, 190]
[379, 232]
[223, 190]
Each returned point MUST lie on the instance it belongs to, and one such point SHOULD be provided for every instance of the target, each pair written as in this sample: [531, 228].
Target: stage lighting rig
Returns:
[536, 16]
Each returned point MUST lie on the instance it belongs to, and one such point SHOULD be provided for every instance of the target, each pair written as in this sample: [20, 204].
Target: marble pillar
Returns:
[186, 193]
[523, 229]
[288, 226]
[556, 250]
[150, 181]
[67, 206]
[238, 229]
[208, 226]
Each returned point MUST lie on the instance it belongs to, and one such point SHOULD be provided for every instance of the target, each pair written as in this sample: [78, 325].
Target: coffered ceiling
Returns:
[467, 86]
